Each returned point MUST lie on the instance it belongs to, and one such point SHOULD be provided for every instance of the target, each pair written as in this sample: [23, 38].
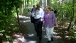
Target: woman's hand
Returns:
[56, 25]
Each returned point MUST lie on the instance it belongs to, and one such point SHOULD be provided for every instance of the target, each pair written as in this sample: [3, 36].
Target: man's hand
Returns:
[41, 19]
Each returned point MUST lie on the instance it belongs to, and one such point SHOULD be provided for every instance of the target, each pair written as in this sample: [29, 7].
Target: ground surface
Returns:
[29, 34]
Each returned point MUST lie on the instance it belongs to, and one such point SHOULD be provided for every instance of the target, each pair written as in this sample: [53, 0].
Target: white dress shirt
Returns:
[39, 14]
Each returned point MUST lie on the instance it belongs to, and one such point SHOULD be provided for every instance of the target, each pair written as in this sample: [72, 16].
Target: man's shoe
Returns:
[48, 41]
[37, 35]
[39, 41]
[52, 39]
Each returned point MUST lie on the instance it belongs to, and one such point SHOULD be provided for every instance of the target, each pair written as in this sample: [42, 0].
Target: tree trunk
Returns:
[17, 18]
[27, 3]
[21, 9]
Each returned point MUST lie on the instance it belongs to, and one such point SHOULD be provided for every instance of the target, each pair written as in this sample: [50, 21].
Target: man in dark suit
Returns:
[38, 17]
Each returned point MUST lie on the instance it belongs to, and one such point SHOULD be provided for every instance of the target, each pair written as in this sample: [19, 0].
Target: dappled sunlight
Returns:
[59, 32]
[26, 21]
[6, 42]
[67, 36]
[20, 16]
[57, 37]
[22, 39]
[19, 38]
[32, 42]
[66, 32]
[56, 30]
[18, 41]
[56, 33]
[60, 28]
[30, 35]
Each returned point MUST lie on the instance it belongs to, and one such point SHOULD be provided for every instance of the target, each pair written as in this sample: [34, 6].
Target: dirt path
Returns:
[30, 34]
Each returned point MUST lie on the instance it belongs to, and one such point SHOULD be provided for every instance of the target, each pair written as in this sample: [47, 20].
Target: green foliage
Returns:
[25, 12]
[64, 9]
[65, 12]
[8, 23]
[73, 32]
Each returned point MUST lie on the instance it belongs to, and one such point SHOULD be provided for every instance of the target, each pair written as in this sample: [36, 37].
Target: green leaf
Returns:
[1, 31]
[1, 34]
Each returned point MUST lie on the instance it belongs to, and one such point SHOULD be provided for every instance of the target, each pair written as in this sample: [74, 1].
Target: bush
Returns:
[8, 24]
[25, 12]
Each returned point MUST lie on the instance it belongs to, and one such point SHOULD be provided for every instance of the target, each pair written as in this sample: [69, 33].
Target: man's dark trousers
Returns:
[32, 19]
[38, 28]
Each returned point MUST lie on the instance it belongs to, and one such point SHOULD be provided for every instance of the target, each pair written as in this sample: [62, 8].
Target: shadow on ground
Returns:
[65, 36]
[27, 28]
